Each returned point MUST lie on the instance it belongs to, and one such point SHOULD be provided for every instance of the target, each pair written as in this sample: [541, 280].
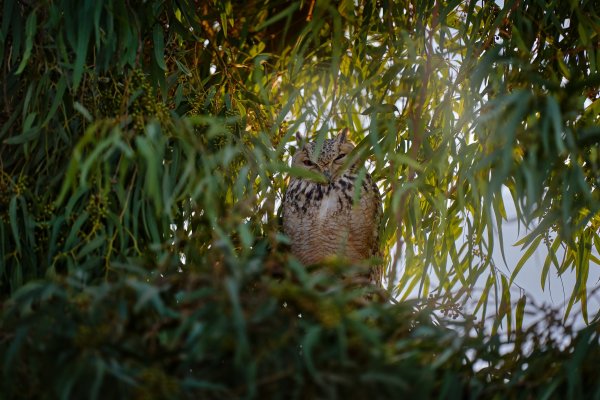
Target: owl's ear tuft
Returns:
[299, 139]
[342, 135]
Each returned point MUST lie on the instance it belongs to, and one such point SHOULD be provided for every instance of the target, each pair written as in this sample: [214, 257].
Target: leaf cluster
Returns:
[252, 336]
[144, 150]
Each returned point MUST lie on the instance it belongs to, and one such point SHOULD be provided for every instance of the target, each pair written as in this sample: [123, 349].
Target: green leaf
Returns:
[30, 132]
[285, 13]
[304, 173]
[224, 23]
[83, 39]
[550, 259]
[92, 246]
[308, 343]
[380, 108]
[152, 169]
[7, 13]
[14, 223]
[246, 235]
[239, 322]
[505, 309]
[71, 240]
[159, 46]
[530, 250]
[554, 115]
[30, 30]
[86, 114]
[583, 34]
[14, 348]
[57, 100]
[519, 313]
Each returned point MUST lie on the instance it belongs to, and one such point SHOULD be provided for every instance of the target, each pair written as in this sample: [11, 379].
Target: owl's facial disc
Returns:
[304, 159]
[331, 160]
[339, 164]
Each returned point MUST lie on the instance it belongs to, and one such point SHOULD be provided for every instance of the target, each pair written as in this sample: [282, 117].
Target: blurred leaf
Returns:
[30, 132]
[528, 253]
[285, 13]
[83, 37]
[520, 313]
[30, 31]
[159, 46]
[79, 107]
[381, 108]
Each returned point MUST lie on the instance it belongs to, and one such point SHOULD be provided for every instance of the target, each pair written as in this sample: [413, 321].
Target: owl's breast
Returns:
[327, 206]
[323, 220]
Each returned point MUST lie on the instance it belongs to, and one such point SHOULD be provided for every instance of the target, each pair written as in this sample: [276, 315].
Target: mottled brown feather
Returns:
[322, 219]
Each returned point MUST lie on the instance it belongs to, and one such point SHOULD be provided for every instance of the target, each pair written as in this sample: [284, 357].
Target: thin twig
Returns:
[310, 10]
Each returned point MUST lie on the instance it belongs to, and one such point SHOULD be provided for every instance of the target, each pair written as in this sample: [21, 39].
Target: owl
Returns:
[338, 216]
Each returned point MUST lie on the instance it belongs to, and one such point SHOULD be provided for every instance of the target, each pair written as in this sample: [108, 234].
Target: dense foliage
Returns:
[181, 337]
[144, 147]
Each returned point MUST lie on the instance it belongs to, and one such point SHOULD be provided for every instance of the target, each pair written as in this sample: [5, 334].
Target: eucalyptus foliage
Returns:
[155, 136]
[161, 129]
[180, 337]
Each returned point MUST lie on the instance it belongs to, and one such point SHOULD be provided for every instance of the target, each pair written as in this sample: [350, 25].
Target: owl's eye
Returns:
[308, 163]
[340, 157]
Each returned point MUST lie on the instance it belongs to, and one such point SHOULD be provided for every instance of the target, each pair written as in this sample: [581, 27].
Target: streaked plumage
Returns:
[321, 219]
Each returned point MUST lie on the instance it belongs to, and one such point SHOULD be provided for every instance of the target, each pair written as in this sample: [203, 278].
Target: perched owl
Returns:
[322, 219]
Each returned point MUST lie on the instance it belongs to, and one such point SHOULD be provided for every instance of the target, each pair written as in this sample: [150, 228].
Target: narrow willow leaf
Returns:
[30, 132]
[84, 111]
[246, 235]
[583, 297]
[14, 223]
[101, 369]
[238, 320]
[183, 68]
[537, 231]
[71, 239]
[83, 39]
[152, 170]
[408, 290]
[286, 13]
[483, 67]
[30, 30]
[550, 259]
[7, 12]
[147, 295]
[519, 313]
[92, 246]
[304, 173]
[528, 253]
[554, 115]
[159, 46]
[92, 159]
[582, 268]
[505, 308]
[57, 100]
[500, 213]
[380, 108]
[308, 343]
[583, 34]
[15, 346]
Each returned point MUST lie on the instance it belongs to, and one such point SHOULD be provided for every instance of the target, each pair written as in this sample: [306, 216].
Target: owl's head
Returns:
[331, 161]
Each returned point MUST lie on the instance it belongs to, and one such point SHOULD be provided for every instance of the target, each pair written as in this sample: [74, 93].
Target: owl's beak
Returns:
[327, 175]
